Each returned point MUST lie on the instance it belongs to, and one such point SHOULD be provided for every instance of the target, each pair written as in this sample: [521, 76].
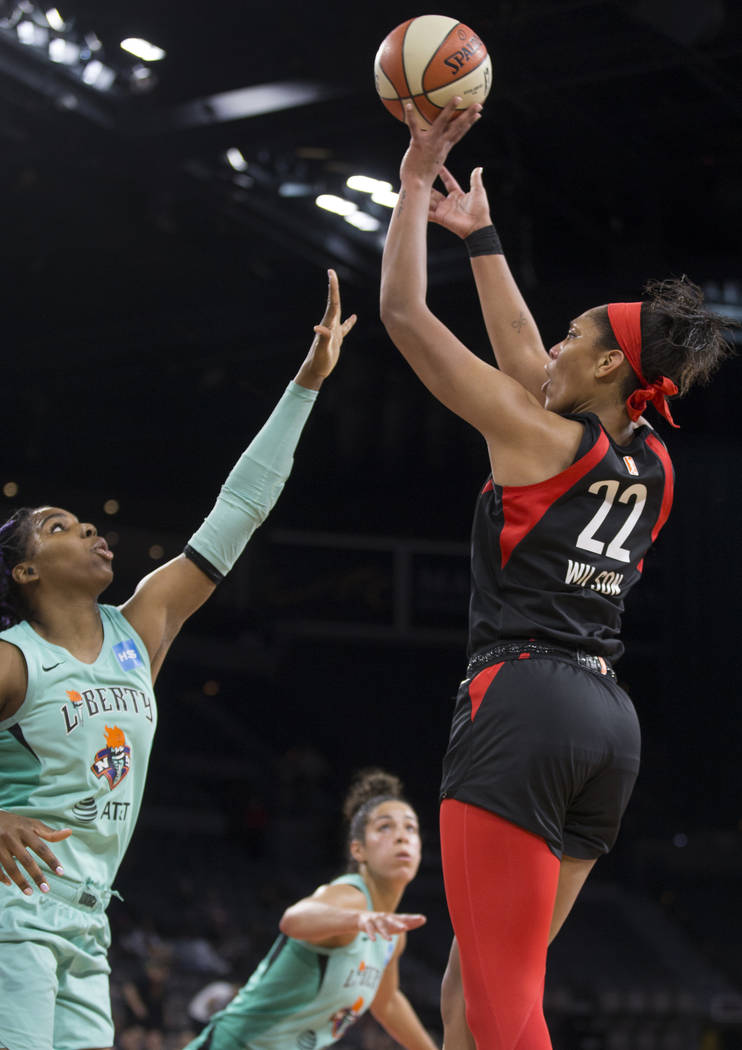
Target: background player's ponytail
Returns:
[681, 338]
[369, 788]
[15, 535]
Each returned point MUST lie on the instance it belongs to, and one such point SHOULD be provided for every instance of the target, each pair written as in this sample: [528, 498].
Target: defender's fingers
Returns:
[333, 297]
[413, 922]
[348, 324]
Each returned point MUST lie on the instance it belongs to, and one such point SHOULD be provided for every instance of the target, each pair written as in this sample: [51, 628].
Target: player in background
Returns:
[544, 745]
[338, 952]
[77, 717]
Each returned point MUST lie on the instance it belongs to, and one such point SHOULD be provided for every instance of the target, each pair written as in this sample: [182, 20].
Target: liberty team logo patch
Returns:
[127, 655]
[113, 760]
[341, 1020]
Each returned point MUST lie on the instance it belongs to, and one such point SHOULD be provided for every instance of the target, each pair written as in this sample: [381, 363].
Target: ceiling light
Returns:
[365, 184]
[96, 75]
[31, 34]
[142, 49]
[338, 205]
[295, 189]
[55, 20]
[235, 159]
[363, 221]
[63, 51]
[385, 196]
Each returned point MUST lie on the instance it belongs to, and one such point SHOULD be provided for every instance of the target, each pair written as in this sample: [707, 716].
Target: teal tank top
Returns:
[75, 753]
[305, 996]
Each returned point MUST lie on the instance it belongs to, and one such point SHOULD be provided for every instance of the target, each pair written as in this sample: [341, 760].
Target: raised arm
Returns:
[393, 1010]
[167, 597]
[515, 339]
[526, 443]
[336, 913]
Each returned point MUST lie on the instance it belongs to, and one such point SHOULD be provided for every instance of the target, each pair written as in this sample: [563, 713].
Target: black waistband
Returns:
[517, 650]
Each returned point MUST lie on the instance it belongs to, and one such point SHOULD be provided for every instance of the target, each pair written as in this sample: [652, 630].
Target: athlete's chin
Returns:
[105, 582]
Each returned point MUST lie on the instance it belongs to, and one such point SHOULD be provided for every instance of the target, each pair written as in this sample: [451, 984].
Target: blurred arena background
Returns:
[163, 262]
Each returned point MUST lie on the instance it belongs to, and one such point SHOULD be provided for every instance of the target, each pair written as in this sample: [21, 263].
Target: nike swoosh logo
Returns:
[51, 668]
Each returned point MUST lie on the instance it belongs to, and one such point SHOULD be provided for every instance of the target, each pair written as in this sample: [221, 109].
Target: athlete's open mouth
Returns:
[101, 547]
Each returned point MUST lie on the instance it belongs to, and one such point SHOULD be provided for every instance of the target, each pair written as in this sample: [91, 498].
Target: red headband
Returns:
[625, 321]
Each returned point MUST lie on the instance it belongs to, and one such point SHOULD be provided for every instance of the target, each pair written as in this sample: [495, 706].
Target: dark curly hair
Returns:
[681, 338]
[368, 789]
[15, 536]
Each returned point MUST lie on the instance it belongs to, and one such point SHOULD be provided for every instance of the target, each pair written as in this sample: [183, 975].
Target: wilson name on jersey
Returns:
[554, 561]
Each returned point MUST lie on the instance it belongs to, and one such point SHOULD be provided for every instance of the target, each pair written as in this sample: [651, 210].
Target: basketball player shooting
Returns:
[544, 744]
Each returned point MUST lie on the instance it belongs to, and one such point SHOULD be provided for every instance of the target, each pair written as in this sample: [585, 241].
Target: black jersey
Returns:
[554, 561]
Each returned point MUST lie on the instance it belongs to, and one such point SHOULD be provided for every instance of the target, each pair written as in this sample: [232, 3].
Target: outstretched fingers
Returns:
[452, 186]
[387, 924]
[332, 309]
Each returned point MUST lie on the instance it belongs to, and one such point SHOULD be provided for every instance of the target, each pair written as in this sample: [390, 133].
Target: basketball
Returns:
[427, 60]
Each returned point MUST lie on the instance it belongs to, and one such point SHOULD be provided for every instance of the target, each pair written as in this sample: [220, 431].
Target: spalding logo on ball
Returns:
[428, 60]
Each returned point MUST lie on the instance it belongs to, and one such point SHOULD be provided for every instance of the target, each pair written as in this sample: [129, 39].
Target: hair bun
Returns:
[367, 784]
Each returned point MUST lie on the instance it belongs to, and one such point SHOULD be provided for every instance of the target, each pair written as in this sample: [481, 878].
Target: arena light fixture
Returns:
[65, 52]
[45, 33]
[295, 189]
[141, 78]
[55, 20]
[142, 49]
[366, 184]
[386, 196]
[235, 158]
[337, 205]
[97, 75]
[31, 34]
[363, 221]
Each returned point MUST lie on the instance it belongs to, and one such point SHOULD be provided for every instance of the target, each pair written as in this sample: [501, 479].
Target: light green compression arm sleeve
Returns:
[253, 486]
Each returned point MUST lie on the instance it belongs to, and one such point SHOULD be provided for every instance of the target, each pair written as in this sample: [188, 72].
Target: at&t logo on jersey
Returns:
[113, 760]
[127, 655]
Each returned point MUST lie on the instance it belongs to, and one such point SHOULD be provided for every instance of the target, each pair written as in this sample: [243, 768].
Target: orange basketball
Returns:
[428, 60]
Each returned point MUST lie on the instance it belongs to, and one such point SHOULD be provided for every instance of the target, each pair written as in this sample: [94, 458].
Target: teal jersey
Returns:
[75, 753]
[303, 996]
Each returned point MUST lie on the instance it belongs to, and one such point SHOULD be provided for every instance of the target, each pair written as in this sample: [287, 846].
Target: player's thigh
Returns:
[82, 1016]
[28, 989]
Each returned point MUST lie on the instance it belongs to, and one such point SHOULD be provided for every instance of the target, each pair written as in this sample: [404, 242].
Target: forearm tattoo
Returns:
[518, 323]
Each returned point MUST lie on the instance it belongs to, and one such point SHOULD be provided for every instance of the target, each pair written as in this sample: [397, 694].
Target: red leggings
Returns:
[501, 884]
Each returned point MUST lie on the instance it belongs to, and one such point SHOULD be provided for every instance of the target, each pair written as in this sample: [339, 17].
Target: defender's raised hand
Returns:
[328, 338]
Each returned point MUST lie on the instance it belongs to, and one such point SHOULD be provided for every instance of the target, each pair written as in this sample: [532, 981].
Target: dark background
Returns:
[156, 302]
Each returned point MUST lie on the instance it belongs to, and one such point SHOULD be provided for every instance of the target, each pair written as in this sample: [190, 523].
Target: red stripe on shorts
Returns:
[479, 686]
